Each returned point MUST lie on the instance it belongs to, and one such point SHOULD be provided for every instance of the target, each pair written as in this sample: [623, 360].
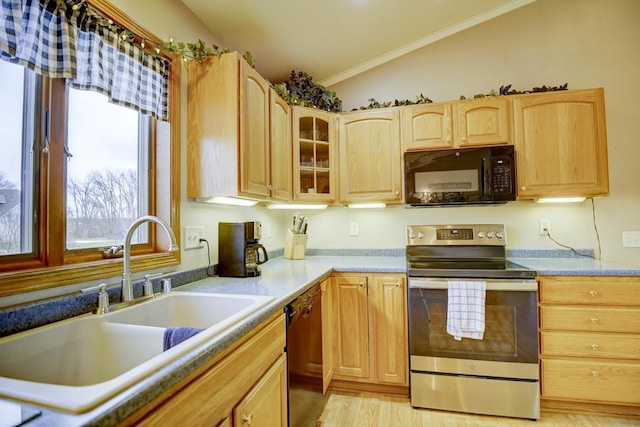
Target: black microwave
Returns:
[465, 176]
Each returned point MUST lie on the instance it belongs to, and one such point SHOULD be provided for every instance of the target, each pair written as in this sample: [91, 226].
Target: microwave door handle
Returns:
[486, 176]
[492, 285]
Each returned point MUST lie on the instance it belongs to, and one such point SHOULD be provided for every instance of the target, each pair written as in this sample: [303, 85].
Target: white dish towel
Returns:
[465, 308]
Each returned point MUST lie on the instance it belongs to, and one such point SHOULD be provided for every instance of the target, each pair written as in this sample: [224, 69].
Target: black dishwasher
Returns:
[304, 358]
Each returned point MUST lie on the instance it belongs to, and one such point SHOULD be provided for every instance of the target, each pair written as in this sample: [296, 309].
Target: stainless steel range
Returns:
[473, 323]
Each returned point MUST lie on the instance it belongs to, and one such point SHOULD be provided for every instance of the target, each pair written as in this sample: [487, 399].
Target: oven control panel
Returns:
[457, 234]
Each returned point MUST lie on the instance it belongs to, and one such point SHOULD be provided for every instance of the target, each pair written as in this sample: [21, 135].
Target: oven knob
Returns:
[499, 235]
[490, 235]
[420, 235]
[480, 234]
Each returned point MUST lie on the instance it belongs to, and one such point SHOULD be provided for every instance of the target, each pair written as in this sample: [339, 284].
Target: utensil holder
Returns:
[295, 245]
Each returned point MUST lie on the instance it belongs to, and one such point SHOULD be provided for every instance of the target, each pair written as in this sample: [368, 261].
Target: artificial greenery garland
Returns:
[300, 89]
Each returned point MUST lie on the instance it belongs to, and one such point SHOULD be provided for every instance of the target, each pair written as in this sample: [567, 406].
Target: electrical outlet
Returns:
[354, 229]
[631, 239]
[545, 226]
[192, 236]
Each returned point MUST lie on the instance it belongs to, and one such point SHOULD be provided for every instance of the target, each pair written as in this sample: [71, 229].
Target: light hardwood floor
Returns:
[345, 409]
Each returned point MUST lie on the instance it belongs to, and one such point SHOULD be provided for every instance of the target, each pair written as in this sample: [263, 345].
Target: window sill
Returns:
[17, 282]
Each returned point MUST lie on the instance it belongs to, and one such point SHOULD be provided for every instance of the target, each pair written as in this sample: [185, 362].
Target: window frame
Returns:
[50, 266]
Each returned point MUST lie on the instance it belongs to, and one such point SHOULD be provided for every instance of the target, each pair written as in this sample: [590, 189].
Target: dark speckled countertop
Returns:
[282, 278]
[285, 279]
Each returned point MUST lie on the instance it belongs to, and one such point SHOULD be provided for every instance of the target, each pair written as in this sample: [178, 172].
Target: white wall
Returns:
[587, 43]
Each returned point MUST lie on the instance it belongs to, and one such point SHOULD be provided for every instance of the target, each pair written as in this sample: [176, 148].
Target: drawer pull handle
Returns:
[595, 373]
[594, 293]
[594, 320]
[246, 419]
[594, 346]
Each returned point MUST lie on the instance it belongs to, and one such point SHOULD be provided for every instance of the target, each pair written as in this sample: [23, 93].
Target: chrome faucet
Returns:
[127, 288]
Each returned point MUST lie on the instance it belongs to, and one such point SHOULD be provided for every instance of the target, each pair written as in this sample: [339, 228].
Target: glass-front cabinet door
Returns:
[314, 160]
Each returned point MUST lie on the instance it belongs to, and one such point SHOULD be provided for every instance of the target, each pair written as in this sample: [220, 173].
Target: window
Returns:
[17, 160]
[75, 171]
[107, 171]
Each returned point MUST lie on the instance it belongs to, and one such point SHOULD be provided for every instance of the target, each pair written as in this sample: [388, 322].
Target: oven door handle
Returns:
[492, 284]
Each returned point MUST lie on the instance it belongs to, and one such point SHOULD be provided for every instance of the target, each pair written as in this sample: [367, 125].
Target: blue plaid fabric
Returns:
[55, 40]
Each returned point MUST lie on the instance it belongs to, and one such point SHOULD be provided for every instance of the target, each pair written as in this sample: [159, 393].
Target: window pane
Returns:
[16, 160]
[106, 173]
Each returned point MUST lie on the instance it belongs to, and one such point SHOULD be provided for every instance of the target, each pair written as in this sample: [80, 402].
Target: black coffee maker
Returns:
[239, 253]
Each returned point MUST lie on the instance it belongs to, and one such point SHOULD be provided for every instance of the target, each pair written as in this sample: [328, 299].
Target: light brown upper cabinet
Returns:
[467, 123]
[370, 156]
[314, 155]
[236, 127]
[561, 144]
[482, 121]
[427, 126]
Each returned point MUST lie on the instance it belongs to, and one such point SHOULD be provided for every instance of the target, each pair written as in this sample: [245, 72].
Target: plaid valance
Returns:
[68, 39]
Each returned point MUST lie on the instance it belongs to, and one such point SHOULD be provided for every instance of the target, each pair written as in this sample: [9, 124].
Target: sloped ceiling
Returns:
[333, 40]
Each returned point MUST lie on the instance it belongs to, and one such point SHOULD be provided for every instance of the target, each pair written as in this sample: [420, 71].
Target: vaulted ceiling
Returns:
[333, 40]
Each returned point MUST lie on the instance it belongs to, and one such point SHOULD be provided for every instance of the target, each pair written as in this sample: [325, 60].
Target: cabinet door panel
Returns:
[597, 319]
[314, 155]
[427, 126]
[351, 357]
[388, 317]
[328, 310]
[280, 148]
[266, 403]
[484, 121]
[561, 144]
[370, 159]
[254, 139]
[591, 381]
[591, 344]
[601, 290]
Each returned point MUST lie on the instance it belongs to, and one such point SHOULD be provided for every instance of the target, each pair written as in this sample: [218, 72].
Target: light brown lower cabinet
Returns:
[590, 343]
[370, 329]
[248, 385]
[266, 403]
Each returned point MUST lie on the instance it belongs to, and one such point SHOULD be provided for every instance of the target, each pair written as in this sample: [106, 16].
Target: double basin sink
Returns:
[79, 363]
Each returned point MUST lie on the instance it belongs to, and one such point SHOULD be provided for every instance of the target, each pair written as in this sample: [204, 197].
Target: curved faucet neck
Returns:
[127, 288]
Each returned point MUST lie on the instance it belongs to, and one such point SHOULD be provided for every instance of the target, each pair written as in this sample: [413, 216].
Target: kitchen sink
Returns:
[76, 364]
[197, 310]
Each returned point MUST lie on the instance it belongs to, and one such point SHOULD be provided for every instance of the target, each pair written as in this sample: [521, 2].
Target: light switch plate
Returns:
[192, 236]
[631, 239]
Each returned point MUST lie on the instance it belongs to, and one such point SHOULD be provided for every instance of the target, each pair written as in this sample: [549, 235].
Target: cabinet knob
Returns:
[246, 419]
[593, 293]
[361, 284]
[595, 373]
[594, 320]
[594, 346]
[523, 188]
[397, 284]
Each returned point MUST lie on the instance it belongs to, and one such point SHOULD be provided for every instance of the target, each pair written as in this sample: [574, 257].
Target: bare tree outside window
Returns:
[9, 216]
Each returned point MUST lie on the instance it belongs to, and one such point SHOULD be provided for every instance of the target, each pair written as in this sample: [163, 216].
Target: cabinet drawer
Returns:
[597, 319]
[591, 290]
[596, 381]
[591, 344]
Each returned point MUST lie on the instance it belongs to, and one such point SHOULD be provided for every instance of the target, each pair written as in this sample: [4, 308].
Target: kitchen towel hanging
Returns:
[466, 308]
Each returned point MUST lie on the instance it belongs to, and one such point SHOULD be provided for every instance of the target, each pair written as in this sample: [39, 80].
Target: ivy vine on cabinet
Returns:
[370, 157]
[561, 144]
[238, 136]
[314, 155]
